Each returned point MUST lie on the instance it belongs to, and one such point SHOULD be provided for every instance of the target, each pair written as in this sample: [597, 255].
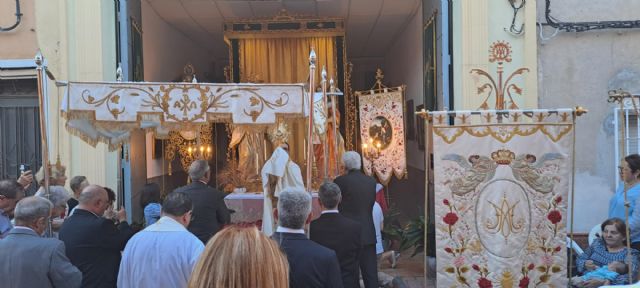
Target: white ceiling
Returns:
[371, 25]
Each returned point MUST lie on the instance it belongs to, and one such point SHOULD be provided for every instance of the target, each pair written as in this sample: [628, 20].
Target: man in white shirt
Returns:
[163, 254]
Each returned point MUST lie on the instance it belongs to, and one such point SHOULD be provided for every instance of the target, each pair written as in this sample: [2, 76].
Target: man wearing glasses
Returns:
[278, 173]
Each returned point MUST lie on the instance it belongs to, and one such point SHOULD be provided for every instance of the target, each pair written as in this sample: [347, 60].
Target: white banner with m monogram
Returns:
[501, 188]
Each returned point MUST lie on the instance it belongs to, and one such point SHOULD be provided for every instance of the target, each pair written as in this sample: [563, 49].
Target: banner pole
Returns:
[39, 59]
[335, 128]
[312, 88]
[325, 110]
[427, 171]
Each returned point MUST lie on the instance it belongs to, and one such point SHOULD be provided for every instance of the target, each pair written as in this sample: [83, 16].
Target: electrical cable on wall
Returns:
[18, 19]
[516, 8]
[585, 26]
[550, 37]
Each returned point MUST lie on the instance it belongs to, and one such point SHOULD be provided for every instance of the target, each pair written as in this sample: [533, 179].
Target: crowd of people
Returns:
[187, 241]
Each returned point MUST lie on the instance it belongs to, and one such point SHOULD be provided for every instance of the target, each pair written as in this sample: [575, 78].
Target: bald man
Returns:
[93, 243]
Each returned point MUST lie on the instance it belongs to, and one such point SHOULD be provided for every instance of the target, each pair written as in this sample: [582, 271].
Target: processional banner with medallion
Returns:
[382, 133]
[501, 189]
[107, 112]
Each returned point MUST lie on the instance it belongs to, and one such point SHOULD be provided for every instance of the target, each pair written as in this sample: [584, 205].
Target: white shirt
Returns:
[289, 230]
[377, 220]
[329, 211]
[161, 255]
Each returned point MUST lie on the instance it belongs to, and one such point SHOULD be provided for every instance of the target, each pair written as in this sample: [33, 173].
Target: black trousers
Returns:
[369, 266]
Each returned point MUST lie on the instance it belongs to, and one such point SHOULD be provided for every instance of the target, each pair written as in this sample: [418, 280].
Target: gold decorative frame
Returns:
[282, 25]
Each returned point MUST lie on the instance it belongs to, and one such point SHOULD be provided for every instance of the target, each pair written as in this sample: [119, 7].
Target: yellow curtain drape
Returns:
[285, 60]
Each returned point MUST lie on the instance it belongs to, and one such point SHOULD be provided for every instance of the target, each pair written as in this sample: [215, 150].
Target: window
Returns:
[626, 135]
[19, 126]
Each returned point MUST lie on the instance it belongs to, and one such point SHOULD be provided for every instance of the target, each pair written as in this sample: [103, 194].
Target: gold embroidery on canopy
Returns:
[502, 135]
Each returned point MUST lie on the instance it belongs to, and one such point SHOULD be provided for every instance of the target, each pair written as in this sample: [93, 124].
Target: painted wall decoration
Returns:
[382, 133]
[500, 88]
[500, 202]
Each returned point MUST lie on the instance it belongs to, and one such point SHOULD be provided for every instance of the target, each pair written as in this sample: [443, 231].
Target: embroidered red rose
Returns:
[554, 216]
[446, 202]
[524, 282]
[558, 249]
[448, 250]
[558, 199]
[451, 218]
[484, 283]
[531, 266]
[475, 267]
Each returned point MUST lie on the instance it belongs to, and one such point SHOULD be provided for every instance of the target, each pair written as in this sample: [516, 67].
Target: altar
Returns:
[248, 207]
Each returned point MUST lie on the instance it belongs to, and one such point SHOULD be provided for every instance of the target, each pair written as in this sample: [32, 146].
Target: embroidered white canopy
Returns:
[108, 111]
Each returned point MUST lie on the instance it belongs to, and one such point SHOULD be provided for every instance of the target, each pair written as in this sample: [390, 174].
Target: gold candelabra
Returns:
[203, 152]
[191, 145]
[371, 150]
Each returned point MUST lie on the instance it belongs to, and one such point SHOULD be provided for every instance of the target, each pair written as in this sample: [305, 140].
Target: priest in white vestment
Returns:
[278, 173]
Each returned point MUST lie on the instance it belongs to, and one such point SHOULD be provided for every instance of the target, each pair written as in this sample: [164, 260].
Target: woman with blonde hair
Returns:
[241, 258]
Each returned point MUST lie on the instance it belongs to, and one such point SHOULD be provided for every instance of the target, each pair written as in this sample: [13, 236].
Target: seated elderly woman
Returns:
[59, 197]
[609, 248]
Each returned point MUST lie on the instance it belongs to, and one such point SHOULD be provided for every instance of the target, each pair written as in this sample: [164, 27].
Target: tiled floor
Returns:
[410, 270]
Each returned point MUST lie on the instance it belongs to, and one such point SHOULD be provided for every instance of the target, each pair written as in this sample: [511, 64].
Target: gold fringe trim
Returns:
[501, 137]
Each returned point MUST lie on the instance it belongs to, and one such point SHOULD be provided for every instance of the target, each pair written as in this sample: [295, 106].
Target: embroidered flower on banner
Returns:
[484, 283]
[554, 216]
[450, 219]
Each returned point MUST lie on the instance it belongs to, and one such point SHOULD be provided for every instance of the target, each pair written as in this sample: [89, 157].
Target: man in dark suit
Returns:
[310, 264]
[94, 243]
[358, 195]
[210, 212]
[28, 260]
[338, 233]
